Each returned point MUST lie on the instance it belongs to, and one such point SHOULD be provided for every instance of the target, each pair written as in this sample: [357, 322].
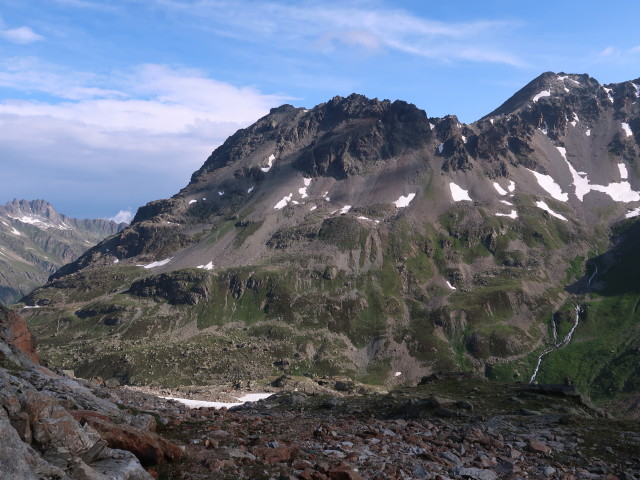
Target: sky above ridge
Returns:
[106, 105]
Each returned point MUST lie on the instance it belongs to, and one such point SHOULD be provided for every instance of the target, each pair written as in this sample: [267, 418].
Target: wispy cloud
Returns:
[618, 55]
[23, 35]
[361, 25]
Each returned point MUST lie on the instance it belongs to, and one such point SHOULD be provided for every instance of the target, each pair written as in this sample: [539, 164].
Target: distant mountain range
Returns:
[365, 238]
[35, 241]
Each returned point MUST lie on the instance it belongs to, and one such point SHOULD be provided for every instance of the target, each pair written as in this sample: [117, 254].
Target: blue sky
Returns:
[108, 104]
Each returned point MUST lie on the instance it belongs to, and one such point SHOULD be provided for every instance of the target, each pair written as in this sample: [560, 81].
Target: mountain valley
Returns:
[35, 240]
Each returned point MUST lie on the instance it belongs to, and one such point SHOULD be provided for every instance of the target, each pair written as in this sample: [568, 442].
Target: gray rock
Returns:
[447, 455]
[237, 453]
[420, 473]
[19, 460]
[475, 473]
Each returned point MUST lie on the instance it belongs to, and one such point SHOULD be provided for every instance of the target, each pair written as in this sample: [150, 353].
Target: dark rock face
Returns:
[178, 288]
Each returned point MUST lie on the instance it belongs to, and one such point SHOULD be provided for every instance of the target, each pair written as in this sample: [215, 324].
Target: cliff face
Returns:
[14, 331]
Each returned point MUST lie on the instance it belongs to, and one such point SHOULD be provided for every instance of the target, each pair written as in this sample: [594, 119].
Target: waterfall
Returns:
[558, 345]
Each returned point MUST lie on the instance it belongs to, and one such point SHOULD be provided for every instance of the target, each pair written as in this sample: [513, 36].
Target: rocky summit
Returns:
[365, 239]
[36, 240]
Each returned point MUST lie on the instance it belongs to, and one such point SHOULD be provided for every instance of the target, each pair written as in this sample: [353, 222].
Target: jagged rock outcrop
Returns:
[41, 436]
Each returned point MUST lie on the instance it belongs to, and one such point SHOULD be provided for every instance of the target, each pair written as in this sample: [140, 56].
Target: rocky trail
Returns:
[481, 431]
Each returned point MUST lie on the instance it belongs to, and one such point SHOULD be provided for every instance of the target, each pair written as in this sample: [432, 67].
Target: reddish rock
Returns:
[150, 448]
[273, 455]
[14, 330]
[344, 473]
[539, 447]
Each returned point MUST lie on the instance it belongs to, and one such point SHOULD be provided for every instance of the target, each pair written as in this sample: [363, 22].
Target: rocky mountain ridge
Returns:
[363, 237]
[36, 240]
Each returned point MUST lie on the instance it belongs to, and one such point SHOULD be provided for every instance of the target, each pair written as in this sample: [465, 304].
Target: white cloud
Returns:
[122, 216]
[134, 141]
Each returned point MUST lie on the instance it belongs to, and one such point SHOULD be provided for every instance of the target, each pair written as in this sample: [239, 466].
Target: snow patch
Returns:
[506, 203]
[303, 190]
[464, 139]
[220, 193]
[633, 213]
[575, 119]
[250, 397]
[459, 194]
[15, 232]
[397, 374]
[270, 160]
[627, 129]
[313, 208]
[39, 223]
[451, 286]
[608, 90]
[624, 174]
[208, 266]
[158, 263]
[544, 93]
[403, 201]
[284, 202]
[432, 126]
[440, 147]
[513, 214]
[491, 120]
[116, 261]
[499, 189]
[550, 186]
[619, 191]
[588, 133]
[327, 199]
[546, 207]
[192, 201]
[251, 188]
[345, 209]
[512, 186]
